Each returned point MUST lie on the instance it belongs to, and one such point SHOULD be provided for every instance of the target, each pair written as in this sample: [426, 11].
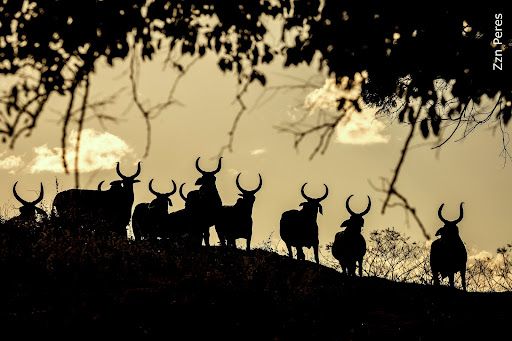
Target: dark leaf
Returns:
[507, 113]
[436, 123]
[341, 103]
[411, 117]
[356, 105]
[401, 114]
[202, 50]
[424, 128]
[258, 76]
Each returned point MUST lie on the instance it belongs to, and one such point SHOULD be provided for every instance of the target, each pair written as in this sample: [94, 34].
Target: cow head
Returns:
[161, 197]
[356, 220]
[248, 195]
[28, 208]
[313, 203]
[450, 228]
[207, 177]
[128, 181]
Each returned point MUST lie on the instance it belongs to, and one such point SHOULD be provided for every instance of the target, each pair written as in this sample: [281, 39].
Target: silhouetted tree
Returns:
[427, 67]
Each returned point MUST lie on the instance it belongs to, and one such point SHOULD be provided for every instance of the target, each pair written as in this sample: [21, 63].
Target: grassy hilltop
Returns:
[78, 286]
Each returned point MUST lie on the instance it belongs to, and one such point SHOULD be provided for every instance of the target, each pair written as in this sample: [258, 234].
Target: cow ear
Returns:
[302, 204]
[344, 224]
[169, 201]
[320, 209]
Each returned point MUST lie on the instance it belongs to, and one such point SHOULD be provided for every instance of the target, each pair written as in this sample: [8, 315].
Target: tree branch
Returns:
[79, 132]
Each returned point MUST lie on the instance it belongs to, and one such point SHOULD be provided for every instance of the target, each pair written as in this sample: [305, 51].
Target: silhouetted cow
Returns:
[149, 218]
[349, 246]
[448, 254]
[236, 221]
[100, 211]
[203, 205]
[298, 228]
[29, 212]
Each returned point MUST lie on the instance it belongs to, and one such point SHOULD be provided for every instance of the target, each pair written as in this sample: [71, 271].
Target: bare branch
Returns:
[79, 132]
[67, 118]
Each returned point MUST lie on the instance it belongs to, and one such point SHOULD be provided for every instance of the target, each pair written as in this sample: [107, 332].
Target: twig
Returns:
[79, 132]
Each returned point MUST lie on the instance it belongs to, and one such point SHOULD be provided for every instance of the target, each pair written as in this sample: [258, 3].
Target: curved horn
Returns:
[304, 194]
[238, 184]
[28, 203]
[199, 168]
[173, 190]
[155, 193]
[162, 194]
[219, 165]
[325, 195]
[367, 208]
[248, 191]
[23, 202]
[440, 214]
[362, 213]
[181, 192]
[99, 185]
[209, 172]
[461, 214]
[128, 177]
[41, 195]
[348, 205]
[314, 199]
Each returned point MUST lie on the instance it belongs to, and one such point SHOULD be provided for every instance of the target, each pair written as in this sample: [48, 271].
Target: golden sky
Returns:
[363, 150]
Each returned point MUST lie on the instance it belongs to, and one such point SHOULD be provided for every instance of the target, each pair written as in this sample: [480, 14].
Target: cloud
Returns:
[258, 151]
[11, 163]
[98, 150]
[361, 128]
[481, 255]
[356, 127]
[233, 171]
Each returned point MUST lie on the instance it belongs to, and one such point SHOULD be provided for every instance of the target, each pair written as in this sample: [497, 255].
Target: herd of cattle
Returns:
[110, 210]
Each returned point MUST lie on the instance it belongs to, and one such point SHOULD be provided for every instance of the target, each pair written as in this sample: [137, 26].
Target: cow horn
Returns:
[99, 185]
[128, 177]
[325, 195]
[303, 193]
[208, 172]
[248, 191]
[28, 203]
[314, 199]
[461, 214]
[368, 207]
[181, 192]
[362, 213]
[348, 205]
[155, 193]
[162, 194]
[41, 195]
[440, 214]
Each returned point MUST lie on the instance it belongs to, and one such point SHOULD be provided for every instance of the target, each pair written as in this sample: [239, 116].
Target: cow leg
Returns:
[352, 270]
[222, 239]
[300, 253]
[360, 266]
[248, 243]
[206, 236]
[435, 277]
[290, 251]
[463, 278]
[315, 250]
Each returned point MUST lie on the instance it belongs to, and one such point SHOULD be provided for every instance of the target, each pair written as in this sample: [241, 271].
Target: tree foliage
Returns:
[54, 45]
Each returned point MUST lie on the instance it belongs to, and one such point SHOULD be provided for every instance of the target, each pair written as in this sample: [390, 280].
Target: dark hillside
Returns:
[80, 288]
